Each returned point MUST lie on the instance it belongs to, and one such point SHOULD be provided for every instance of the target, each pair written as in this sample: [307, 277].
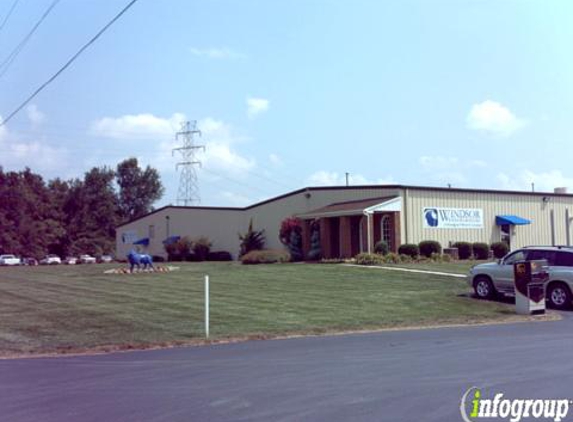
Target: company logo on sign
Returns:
[453, 218]
[431, 217]
[474, 407]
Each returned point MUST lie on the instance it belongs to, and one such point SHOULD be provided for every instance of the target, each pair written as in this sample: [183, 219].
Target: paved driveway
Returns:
[392, 376]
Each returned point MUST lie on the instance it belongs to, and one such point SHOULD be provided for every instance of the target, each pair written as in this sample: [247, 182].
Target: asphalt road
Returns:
[391, 376]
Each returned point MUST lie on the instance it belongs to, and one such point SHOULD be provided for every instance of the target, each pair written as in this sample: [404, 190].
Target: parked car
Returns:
[29, 261]
[70, 260]
[494, 278]
[87, 259]
[105, 259]
[9, 260]
[50, 259]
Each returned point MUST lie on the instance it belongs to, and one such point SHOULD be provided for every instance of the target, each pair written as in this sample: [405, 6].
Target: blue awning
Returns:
[171, 239]
[513, 220]
[144, 241]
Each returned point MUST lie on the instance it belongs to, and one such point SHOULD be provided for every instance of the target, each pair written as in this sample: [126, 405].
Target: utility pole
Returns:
[347, 174]
[188, 193]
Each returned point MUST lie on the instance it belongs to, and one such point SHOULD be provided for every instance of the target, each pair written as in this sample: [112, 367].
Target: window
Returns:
[564, 259]
[514, 257]
[386, 228]
[549, 256]
[151, 231]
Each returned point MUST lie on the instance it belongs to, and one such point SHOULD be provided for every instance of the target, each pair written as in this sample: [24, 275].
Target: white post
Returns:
[368, 230]
[207, 306]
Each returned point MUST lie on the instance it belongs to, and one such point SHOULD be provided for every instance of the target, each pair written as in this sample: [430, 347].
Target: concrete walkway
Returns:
[408, 270]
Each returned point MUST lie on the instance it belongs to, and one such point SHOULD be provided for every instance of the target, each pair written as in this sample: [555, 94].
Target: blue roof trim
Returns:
[144, 241]
[513, 220]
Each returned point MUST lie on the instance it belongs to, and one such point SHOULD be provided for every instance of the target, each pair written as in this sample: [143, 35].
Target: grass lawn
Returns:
[457, 267]
[74, 308]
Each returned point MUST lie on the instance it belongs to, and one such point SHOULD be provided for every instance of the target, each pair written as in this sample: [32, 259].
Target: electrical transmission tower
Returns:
[188, 193]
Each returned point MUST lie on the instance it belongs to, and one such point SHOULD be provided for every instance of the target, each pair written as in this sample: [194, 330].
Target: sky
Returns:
[289, 94]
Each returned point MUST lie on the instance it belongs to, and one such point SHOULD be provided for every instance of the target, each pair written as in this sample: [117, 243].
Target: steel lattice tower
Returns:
[188, 193]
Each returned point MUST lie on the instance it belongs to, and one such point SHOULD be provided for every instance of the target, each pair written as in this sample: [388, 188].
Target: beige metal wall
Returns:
[222, 226]
[531, 207]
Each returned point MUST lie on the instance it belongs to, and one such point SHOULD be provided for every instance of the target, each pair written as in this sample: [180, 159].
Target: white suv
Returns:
[494, 278]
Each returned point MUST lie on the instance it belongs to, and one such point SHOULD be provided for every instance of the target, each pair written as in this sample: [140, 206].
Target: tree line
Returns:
[70, 217]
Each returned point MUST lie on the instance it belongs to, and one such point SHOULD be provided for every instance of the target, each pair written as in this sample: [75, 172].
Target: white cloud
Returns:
[544, 181]
[18, 153]
[329, 178]
[492, 117]
[256, 106]
[137, 126]
[223, 53]
[35, 116]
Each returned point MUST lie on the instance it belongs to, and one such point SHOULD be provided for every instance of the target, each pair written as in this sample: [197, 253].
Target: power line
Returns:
[8, 14]
[68, 63]
[5, 65]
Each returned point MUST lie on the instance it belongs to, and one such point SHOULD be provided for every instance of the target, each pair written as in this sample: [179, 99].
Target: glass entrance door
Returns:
[505, 230]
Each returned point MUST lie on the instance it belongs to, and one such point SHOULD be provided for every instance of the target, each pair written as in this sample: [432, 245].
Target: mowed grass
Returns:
[75, 308]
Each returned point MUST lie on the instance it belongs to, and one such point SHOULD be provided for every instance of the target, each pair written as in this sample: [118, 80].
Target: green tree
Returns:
[138, 189]
[92, 212]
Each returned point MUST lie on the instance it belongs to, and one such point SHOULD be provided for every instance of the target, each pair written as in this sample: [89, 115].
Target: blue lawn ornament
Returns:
[137, 259]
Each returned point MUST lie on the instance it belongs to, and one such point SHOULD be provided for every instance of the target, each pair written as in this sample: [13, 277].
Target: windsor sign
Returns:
[452, 218]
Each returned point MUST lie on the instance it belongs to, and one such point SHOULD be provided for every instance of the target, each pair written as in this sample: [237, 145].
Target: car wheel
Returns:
[483, 288]
[559, 296]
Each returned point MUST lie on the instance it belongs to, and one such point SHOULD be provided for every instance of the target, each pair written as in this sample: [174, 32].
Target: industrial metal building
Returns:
[351, 219]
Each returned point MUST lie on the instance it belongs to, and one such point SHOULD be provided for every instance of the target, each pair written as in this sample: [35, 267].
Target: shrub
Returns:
[500, 249]
[436, 257]
[409, 249]
[429, 247]
[447, 258]
[394, 258]
[404, 259]
[369, 259]
[178, 251]
[381, 248]
[201, 247]
[290, 236]
[315, 252]
[219, 256]
[295, 246]
[252, 240]
[268, 256]
[481, 250]
[288, 225]
[191, 257]
[465, 249]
